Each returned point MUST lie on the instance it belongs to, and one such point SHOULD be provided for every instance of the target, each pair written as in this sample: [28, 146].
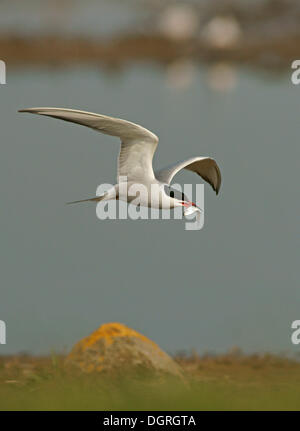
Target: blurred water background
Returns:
[64, 272]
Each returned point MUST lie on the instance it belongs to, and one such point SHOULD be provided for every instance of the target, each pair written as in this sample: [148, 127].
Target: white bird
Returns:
[138, 146]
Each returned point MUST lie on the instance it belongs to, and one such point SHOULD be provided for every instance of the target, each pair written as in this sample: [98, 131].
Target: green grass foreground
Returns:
[227, 382]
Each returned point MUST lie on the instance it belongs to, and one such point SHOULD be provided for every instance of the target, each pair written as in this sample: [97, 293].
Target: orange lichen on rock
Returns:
[115, 348]
[109, 331]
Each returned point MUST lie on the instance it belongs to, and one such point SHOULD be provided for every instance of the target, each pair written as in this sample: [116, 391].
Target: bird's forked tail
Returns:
[96, 199]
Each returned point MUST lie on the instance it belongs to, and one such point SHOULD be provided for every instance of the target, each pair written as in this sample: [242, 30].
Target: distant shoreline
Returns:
[272, 55]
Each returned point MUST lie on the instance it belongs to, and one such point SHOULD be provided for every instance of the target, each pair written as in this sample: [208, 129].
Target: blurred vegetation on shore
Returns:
[232, 381]
[264, 34]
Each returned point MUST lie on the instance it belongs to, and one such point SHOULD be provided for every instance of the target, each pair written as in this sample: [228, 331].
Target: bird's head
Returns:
[178, 198]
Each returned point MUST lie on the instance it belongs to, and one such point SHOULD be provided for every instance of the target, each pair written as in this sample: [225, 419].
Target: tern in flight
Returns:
[138, 146]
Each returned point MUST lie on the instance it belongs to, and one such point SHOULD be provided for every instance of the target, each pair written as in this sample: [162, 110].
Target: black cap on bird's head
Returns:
[172, 192]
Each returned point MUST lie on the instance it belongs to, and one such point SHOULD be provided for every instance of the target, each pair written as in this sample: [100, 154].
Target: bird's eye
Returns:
[175, 194]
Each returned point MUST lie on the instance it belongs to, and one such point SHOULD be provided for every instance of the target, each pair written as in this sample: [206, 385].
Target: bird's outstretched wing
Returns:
[206, 167]
[137, 143]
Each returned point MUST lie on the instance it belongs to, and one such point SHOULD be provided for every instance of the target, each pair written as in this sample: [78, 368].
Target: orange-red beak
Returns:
[188, 204]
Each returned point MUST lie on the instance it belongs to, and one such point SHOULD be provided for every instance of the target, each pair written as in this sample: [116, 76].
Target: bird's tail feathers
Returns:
[96, 199]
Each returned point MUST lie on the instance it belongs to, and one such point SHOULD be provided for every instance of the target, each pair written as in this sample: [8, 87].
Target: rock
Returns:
[116, 349]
